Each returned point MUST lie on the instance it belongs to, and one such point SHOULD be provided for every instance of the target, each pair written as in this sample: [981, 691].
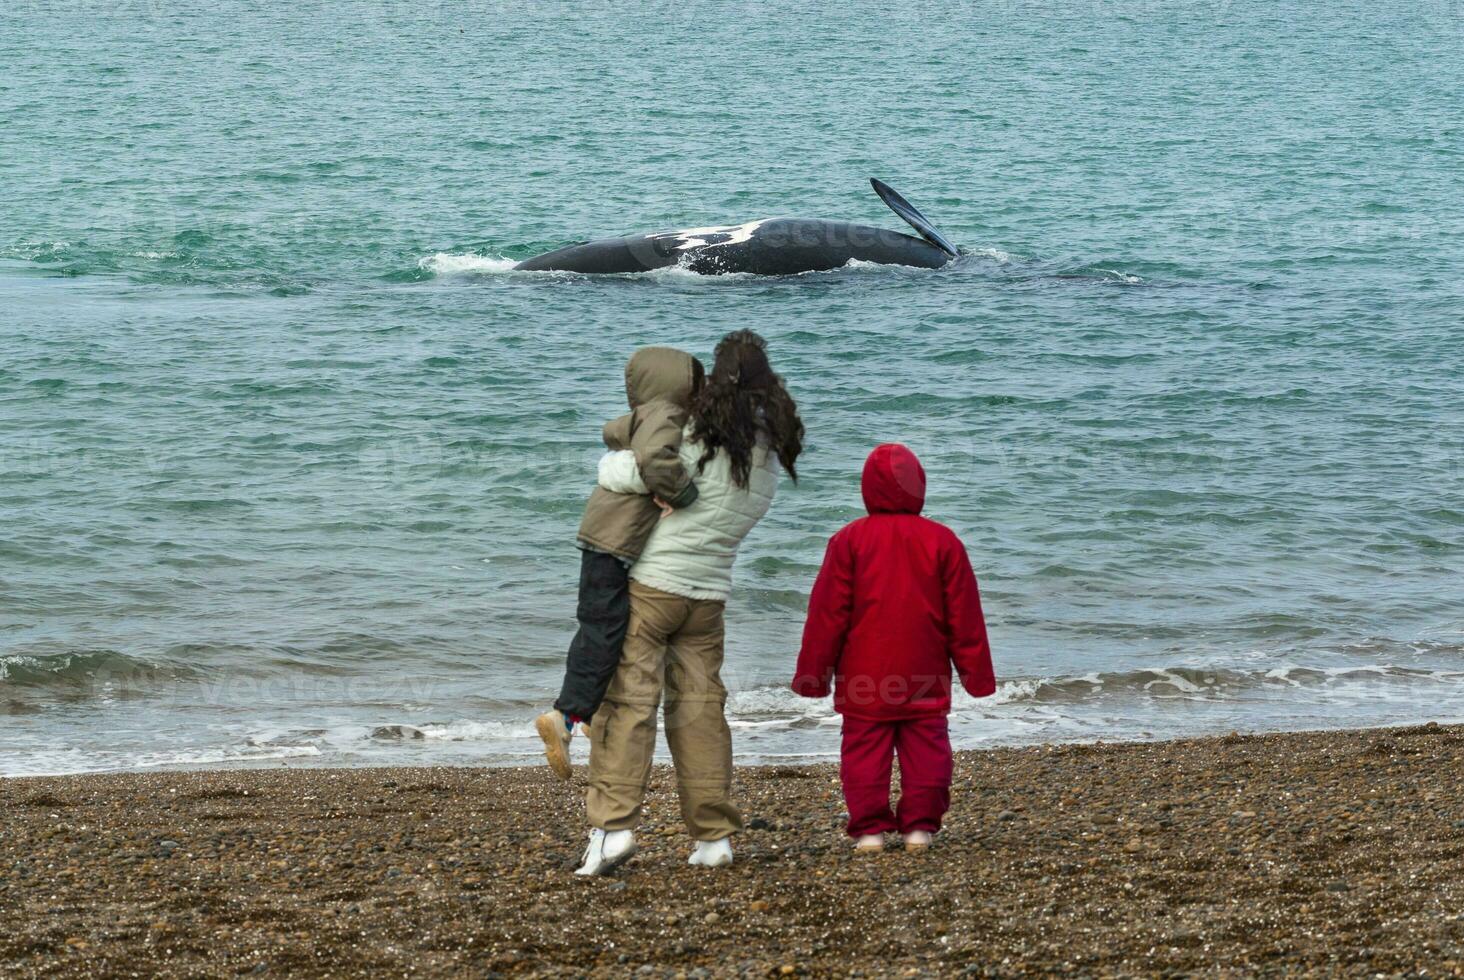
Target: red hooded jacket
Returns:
[894, 606]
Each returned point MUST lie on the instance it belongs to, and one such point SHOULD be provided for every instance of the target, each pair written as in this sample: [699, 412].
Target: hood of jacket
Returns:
[894, 481]
[659, 372]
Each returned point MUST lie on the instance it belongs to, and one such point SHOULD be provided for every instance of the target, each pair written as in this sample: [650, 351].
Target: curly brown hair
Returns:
[742, 397]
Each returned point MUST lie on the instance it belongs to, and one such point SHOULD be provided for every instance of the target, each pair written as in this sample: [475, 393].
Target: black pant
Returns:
[594, 653]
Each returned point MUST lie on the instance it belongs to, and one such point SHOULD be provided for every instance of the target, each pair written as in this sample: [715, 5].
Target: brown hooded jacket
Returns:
[658, 385]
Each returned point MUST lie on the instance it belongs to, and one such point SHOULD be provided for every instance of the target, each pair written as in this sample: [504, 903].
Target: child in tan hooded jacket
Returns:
[659, 385]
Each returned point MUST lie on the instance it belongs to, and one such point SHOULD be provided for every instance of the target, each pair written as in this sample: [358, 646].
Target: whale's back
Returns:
[771, 247]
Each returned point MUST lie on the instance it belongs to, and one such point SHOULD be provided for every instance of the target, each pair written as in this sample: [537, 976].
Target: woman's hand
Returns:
[666, 509]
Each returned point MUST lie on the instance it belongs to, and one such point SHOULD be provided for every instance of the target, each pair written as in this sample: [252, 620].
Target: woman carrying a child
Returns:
[742, 428]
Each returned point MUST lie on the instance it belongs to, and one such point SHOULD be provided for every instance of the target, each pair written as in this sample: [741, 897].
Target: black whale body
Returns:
[772, 247]
[776, 247]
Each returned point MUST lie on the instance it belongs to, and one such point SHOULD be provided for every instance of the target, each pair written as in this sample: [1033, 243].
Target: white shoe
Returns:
[917, 840]
[607, 851]
[712, 853]
[869, 844]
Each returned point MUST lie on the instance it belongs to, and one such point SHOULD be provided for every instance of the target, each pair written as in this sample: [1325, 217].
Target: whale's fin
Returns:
[912, 215]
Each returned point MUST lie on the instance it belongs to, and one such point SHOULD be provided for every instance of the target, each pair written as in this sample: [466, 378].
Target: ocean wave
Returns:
[97, 669]
[768, 706]
[460, 730]
[1213, 682]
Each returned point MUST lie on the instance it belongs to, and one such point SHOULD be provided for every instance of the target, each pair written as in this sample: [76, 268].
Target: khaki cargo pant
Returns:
[676, 645]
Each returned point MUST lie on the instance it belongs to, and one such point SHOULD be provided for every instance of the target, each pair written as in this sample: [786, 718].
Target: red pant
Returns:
[924, 746]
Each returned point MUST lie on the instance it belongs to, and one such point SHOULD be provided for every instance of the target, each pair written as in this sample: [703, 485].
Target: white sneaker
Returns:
[869, 844]
[712, 853]
[917, 840]
[607, 851]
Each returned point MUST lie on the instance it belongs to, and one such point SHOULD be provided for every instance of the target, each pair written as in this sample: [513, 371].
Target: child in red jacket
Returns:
[894, 606]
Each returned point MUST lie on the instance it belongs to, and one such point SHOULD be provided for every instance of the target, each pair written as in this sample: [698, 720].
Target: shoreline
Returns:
[1338, 851]
[750, 760]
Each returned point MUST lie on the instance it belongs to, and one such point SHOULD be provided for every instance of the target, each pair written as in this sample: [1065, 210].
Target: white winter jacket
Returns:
[691, 551]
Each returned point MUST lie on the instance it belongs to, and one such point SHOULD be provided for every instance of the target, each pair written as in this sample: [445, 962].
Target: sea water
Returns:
[291, 461]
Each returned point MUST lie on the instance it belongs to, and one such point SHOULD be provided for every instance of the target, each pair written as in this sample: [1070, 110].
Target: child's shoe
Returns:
[608, 850]
[556, 730]
[712, 853]
[917, 840]
[869, 844]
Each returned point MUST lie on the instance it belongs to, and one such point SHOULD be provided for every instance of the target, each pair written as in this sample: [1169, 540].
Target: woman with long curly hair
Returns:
[743, 428]
[744, 401]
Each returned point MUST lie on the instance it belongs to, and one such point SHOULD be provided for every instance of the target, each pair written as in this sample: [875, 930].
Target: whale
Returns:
[767, 247]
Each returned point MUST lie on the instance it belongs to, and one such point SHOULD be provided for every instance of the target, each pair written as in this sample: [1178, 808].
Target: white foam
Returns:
[1174, 680]
[743, 724]
[1010, 691]
[62, 762]
[450, 264]
[463, 730]
[29, 250]
[861, 265]
[781, 701]
[221, 756]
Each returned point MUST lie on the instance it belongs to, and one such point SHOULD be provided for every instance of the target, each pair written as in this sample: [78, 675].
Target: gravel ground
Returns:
[1335, 853]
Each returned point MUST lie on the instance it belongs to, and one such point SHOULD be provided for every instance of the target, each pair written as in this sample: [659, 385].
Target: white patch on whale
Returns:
[690, 238]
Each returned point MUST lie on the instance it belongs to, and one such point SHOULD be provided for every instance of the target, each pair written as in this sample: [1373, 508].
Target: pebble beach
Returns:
[1339, 853]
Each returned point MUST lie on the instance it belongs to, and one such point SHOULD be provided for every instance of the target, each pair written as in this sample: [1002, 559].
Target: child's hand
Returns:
[666, 509]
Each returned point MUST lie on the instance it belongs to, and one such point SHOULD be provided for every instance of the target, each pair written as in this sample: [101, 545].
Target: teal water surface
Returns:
[290, 461]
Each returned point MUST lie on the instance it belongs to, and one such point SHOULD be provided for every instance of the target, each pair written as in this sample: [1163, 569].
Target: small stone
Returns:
[712, 918]
[788, 969]
[1006, 815]
[758, 823]
[1104, 819]
[1134, 846]
[618, 886]
[759, 906]
[1338, 886]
